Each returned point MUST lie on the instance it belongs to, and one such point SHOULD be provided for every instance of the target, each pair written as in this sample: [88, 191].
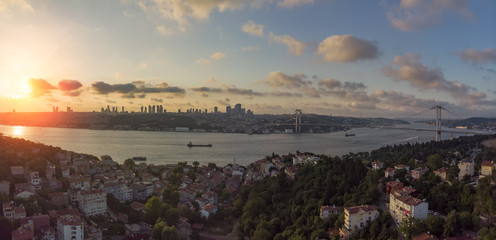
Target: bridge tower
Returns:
[438, 121]
[298, 115]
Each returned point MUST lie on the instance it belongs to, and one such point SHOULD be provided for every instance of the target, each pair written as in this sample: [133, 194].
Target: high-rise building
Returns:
[228, 110]
[216, 109]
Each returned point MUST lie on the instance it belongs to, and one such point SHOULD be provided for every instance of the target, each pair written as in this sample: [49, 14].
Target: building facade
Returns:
[402, 205]
[70, 227]
[356, 218]
[92, 202]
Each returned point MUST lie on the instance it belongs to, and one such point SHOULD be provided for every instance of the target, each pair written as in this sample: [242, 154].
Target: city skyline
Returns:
[274, 56]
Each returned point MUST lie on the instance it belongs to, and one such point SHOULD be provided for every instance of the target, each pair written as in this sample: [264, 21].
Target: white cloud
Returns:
[346, 48]
[250, 49]
[6, 5]
[408, 68]
[252, 28]
[478, 56]
[182, 11]
[217, 56]
[164, 31]
[279, 79]
[293, 3]
[294, 46]
[413, 15]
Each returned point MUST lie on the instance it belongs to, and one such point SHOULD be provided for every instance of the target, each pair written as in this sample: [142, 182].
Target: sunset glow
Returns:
[18, 131]
[271, 56]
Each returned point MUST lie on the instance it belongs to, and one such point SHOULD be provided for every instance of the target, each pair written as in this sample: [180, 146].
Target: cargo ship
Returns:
[190, 144]
[139, 159]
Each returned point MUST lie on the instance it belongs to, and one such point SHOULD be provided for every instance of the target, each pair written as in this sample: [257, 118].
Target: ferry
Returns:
[349, 134]
[139, 159]
[190, 144]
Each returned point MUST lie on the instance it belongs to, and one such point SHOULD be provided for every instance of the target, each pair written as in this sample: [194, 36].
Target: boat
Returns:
[190, 144]
[349, 134]
[139, 159]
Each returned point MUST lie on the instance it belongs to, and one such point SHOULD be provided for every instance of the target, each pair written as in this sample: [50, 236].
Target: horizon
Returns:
[273, 56]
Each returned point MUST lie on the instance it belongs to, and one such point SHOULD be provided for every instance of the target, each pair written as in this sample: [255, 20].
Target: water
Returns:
[170, 147]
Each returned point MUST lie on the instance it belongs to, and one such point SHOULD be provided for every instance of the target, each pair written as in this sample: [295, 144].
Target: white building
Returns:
[356, 218]
[92, 202]
[34, 178]
[466, 168]
[12, 212]
[80, 183]
[124, 194]
[326, 211]
[402, 205]
[70, 227]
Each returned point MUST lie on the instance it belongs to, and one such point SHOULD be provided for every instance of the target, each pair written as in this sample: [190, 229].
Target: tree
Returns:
[170, 233]
[152, 209]
[487, 233]
[212, 165]
[434, 224]
[157, 231]
[434, 161]
[129, 163]
[196, 164]
[451, 225]
[452, 173]
[410, 227]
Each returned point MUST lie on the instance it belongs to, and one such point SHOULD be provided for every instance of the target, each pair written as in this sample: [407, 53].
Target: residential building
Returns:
[70, 227]
[442, 173]
[92, 202]
[24, 232]
[356, 218]
[389, 172]
[50, 170]
[208, 210]
[39, 222]
[12, 212]
[124, 194]
[425, 236]
[17, 170]
[466, 168]
[393, 185]
[35, 180]
[138, 206]
[93, 233]
[417, 173]
[142, 190]
[376, 165]
[80, 183]
[24, 194]
[486, 168]
[59, 199]
[5, 187]
[326, 211]
[402, 204]
[406, 167]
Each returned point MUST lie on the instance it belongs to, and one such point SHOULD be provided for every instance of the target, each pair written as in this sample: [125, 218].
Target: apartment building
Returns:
[356, 218]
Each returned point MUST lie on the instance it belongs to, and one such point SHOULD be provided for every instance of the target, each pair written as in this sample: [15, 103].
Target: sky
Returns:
[386, 58]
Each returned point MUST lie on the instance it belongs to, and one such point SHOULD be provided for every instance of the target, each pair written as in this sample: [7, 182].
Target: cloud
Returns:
[478, 56]
[7, 5]
[412, 15]
[252, 28]
[294, 46]
[330, 83]
[250, 49]
[69, 85]
[206, 89]
[293, 3]
[408, 68]
[182, 12]
[228, 90]
[118, 75]
[40, 87]
[157, 100]
[362, 106]
[204, 95]
[217, 56]
[164, 31]
[224, 101]
[346, 48]
[138, 87]
[279, 79]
